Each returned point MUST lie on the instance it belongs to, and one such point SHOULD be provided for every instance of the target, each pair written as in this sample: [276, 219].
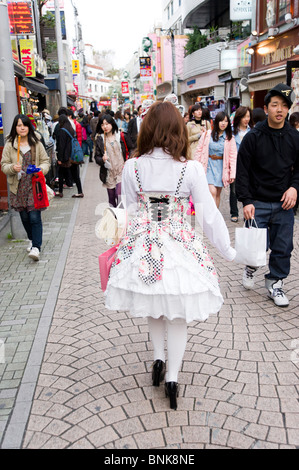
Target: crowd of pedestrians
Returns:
[159, 161]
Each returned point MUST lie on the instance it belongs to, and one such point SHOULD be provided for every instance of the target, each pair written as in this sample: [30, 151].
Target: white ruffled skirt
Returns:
[188, 290]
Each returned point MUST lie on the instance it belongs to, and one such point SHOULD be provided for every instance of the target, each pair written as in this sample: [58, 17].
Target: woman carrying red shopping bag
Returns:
[21, 150]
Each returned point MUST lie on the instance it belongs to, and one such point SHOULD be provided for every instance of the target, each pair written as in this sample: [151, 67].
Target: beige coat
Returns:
[194, 133]
[10, 159]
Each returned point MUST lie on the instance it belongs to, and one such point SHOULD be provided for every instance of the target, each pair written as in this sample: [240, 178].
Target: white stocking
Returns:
[176, 346]
[157, 328]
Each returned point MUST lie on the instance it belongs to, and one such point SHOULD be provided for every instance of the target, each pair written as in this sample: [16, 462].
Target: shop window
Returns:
[272, 13]
[284, 8]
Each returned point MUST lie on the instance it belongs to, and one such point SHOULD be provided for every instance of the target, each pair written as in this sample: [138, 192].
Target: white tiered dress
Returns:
[162, 266]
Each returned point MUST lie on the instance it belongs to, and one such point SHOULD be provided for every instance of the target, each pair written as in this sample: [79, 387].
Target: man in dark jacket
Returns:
[267, 183]
[133, 129]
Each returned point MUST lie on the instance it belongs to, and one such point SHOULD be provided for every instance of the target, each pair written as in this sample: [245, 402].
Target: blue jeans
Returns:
[280, 225]
[32, 222]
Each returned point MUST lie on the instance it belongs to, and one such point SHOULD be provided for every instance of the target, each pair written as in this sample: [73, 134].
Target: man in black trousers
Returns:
[267, 184]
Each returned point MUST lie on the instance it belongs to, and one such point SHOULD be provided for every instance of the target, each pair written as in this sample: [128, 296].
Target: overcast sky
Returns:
[118, 25]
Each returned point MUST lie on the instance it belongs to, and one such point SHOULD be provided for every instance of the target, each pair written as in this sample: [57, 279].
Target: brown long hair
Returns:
[164, 127]
[240, 113]
[216, 129]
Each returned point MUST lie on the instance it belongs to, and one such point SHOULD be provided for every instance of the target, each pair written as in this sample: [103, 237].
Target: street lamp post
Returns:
[60, 55]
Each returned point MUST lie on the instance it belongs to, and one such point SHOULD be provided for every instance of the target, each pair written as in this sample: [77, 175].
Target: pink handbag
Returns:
[105, 261]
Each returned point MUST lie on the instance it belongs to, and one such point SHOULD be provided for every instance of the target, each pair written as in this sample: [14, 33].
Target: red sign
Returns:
[20, 17]
[125, 89]
[104, 103]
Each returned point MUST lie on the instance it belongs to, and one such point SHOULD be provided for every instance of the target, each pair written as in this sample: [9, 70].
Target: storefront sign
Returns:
[145, 68]
[125, 89]
[274, 53]
[20, 17]
[23, 92]
[240, 10]
[27, 56]
[244, 59]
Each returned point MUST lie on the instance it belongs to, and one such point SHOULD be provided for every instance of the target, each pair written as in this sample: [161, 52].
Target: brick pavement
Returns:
[89, 369]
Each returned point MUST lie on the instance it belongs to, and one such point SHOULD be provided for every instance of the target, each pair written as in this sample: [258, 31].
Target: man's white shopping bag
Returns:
[251, 245]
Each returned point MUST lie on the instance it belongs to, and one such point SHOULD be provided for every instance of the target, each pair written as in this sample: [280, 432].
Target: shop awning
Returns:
[36, 86]
[266, 80]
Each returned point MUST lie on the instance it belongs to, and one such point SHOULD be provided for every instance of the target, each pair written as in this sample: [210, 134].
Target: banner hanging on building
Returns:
[145, 68]
[27, 56]
[125, 89]
[76, 67]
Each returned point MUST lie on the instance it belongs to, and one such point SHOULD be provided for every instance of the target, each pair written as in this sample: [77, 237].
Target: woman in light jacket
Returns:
[32, 152]
[110, 155]
[217, 151]
[195, 127]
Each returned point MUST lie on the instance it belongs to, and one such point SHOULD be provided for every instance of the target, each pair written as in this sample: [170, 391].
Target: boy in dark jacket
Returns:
[267, 183]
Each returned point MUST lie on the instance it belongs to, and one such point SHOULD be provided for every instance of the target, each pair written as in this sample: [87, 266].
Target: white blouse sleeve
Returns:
[129, 187]
[207, 214]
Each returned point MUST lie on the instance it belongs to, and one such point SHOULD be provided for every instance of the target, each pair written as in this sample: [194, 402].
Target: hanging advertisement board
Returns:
[145, 68]
[240, 10]
[27, 56]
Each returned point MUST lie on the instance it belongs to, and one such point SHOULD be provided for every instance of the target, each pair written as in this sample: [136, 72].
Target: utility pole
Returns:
[60, 55]
[8, 96]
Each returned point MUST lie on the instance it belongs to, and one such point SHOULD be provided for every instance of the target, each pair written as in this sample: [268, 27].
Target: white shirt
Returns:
[159, 172]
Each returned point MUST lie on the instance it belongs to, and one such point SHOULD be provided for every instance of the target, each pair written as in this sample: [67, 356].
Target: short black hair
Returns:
[62, 111]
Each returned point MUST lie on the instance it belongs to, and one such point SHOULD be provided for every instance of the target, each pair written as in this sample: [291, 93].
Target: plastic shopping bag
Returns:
[105, 262]
[40, 195]
[251, 245]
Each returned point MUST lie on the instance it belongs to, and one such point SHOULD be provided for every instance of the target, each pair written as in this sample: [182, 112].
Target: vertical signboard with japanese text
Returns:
[145, 68]
[27, 56]
[125, 89]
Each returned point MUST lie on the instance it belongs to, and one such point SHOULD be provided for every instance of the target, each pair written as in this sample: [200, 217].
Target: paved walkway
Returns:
[78, 376]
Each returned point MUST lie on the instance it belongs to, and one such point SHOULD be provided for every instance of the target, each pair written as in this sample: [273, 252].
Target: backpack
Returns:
[77, 155]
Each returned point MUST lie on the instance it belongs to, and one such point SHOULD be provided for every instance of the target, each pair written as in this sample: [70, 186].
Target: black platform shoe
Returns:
[172, 391]
[158, 373]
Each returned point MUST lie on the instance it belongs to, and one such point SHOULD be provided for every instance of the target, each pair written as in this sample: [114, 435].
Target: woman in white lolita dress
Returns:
[162, 269]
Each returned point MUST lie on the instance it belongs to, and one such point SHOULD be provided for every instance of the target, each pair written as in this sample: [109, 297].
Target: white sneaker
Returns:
[29, 246]
[276, 293]
[34, 254]
[248, 279]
